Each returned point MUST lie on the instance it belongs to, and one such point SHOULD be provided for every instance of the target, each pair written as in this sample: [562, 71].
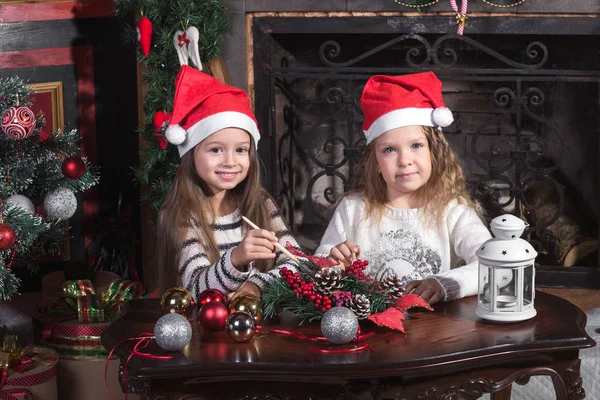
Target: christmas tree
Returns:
[39, 176]
[162, 26]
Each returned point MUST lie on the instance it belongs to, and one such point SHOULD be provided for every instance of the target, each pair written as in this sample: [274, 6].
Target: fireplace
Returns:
[525, 93]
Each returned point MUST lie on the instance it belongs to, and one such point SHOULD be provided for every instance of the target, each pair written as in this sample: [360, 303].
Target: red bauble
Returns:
[211, 295]
[8, 237]
[73, 167]
[18, 122]
[212, 316]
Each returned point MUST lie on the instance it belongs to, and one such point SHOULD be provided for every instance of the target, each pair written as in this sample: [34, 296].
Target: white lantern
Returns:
[506, 273]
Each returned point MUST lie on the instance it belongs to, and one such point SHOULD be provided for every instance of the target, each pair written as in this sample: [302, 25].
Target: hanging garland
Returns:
[496, 3]
[416, 3]
[426, 3]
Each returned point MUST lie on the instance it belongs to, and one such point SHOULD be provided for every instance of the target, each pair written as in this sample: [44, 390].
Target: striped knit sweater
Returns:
[198, 274]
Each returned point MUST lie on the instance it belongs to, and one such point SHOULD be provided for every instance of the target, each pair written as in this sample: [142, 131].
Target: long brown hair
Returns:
[446, 183]
[189, 200]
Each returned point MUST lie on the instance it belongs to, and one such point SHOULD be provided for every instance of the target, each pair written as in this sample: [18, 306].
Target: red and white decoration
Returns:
[18, 122]
[186, 45]
[161, 122]
[461, 16]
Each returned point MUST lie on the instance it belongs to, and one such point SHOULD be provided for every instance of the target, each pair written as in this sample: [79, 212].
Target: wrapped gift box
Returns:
[36, 383]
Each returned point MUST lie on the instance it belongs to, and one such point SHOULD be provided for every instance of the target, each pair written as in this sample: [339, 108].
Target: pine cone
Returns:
[393, 285]
[328, 280]
[360, 305]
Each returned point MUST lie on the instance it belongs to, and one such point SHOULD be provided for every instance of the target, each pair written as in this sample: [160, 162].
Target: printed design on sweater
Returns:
[420, 260]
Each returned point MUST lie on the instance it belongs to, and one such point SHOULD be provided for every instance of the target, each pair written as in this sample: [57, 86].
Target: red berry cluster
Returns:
[305, 289]
[357, 269]
[342, 298]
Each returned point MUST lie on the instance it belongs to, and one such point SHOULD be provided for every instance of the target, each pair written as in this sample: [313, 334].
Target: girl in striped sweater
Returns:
[203, 242]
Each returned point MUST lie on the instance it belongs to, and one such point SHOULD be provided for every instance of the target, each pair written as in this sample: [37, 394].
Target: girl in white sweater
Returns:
[411, 215]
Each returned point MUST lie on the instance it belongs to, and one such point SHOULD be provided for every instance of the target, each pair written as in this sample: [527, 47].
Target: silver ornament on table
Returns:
[339, 325]
[60, 204]
[240, 326]
[172, 332]
[18, 200]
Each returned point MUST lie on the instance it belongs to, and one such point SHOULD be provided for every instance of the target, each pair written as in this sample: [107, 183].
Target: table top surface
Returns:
[452, 334]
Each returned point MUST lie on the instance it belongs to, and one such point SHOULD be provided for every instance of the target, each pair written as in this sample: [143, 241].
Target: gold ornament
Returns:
[177, 300]
[249, 304]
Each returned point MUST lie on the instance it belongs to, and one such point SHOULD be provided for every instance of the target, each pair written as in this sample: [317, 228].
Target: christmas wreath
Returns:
[322, 285]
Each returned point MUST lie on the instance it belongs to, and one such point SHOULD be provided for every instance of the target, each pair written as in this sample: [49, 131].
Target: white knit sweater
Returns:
[403, 246]
[198, 274]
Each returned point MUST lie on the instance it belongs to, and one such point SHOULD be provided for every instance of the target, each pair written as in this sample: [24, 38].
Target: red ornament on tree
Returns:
[18, 122]
[211, 295]
[212, 316]
[8, 237]
[144, 31]
[73, 167]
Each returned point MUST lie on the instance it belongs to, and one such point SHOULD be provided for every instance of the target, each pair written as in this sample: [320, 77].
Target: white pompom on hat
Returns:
[203, 106]
[390, 102]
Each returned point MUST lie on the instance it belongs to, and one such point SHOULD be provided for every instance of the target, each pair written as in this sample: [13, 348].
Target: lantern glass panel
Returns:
[484, 291]
[507, 281]
[528, 285]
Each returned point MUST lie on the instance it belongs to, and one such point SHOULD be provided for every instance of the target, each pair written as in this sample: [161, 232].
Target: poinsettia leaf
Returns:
[409, 301]
[320, 262]
[390, 318]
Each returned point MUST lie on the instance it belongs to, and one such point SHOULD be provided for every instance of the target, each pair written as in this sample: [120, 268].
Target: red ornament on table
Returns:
[8, 237]
[212, 316]
[18, 122]
[73, 167]
[144, 31]
[211, 295]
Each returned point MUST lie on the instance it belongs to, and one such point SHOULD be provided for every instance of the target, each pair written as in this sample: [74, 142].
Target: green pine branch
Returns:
[157, 167]
[32, 167]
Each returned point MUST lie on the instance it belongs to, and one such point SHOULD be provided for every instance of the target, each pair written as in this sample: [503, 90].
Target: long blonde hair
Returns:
[189, 200]
[446, 183]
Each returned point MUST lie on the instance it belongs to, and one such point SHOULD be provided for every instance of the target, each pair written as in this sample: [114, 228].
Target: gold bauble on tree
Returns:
[249, 304]
[177, 300]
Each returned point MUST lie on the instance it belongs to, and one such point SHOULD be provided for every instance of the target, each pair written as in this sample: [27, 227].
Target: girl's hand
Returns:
[428, 289]
[257, 245]
[345, 253]
[246, 288]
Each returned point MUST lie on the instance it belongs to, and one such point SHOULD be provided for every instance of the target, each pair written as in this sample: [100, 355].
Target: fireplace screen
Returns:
[526, 122]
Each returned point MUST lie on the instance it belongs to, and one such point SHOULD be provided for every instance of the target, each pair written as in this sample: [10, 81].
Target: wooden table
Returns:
[449, 354]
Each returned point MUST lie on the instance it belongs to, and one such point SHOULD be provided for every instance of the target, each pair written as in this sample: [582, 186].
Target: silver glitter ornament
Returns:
[240, 326]
[172, 332]
[339, 325]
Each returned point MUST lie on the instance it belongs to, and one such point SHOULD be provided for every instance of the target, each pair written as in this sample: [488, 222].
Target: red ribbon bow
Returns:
[183, 40]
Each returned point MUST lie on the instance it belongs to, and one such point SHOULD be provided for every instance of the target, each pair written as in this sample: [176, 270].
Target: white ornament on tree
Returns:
[60, 204]
[18, 200]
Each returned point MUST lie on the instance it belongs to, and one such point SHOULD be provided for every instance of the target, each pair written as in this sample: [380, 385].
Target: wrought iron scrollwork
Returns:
[536, 52]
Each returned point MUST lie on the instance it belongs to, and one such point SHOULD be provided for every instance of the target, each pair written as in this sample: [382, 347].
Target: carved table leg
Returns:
[575, 390]
[503, 394]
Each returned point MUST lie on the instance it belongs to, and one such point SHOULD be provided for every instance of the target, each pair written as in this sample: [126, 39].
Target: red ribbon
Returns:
[359, 340]
[143, 341]
[183, 40]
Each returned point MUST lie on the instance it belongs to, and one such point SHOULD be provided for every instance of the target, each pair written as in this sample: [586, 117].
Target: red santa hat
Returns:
[390, 102]
[203, 106]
